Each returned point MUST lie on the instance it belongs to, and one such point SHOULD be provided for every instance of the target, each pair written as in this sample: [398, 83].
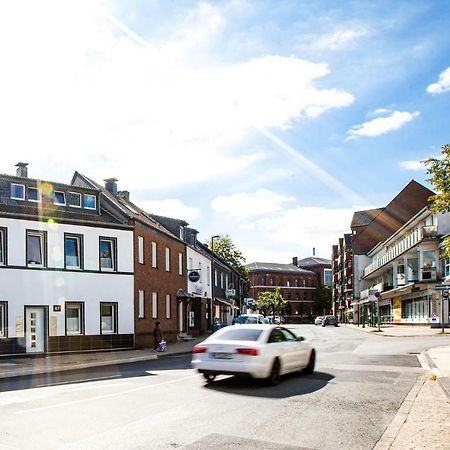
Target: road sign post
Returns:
[444, 288]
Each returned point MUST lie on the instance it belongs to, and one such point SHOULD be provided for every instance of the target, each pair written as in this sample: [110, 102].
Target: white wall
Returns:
[21, 286]
[198, 259]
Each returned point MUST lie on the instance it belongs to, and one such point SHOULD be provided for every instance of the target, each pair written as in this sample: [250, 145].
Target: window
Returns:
[36, 248]
[90, 201]
[141, 250]
[226, 281]
[74, 199]
[17, 191]
[181, 233]
[168, 301]
[141, 304]
[446, 267]
[154, 305]
[154, 256]
[208, 275]
[327, 277]
[108, 317]
[221, 280]
[180, 263]
[108, 254]
[74, 318]
[2, 246]
[33, 194]
[200, 271]
[60, 198]
[3, 319]
[215, 278]
[167, 259]
[73, 249]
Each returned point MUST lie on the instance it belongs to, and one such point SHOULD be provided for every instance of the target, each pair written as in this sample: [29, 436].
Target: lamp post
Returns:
[212, 282]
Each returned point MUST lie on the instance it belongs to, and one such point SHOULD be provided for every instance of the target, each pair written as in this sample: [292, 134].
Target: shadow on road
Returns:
[289, 386]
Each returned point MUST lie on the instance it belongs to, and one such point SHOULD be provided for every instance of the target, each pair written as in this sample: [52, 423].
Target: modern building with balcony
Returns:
[404, 271]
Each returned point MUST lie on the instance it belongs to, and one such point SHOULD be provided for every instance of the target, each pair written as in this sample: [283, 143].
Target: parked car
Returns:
[259, 351]
[318, 320]
[248, 319]
[330, 320]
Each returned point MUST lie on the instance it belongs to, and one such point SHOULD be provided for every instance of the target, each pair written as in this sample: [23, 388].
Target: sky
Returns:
[269, 121]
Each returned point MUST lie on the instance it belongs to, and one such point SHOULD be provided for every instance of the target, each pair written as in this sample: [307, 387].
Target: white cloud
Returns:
[411, 165]
[105, 100]
[244, 205]
[170, 207]
[339, 39]
[443, 84]
[382, 125]
[296, 231]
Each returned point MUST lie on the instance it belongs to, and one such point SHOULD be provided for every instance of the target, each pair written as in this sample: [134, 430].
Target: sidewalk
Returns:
[400, 330]
[22, 365]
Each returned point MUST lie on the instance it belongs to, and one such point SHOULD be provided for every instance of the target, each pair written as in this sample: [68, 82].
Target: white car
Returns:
[261, 351]
[248, 319]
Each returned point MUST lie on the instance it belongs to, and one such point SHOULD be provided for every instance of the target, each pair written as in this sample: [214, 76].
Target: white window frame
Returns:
[2, 319]
[39, 194]
[42, 245]
[168, 303]
[79, 196]
[2, 246]
[114, 318]
[215, 277]
[78, 238]
[95, 202]
[78, 306]
[112, 242]
[221, 280]
[58, 203]
[167, 259]
[154, 255]
[141, 304]
[226, 281]
[23, 190]
[140, 249]
[208, 275]
[181, 233]
[154, 305]
[180, 263]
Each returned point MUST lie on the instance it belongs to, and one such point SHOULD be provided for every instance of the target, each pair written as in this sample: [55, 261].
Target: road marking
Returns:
[99, 397]
[79, 381]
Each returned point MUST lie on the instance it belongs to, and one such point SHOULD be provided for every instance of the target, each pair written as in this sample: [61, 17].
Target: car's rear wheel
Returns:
[274, 376]
[209, 377]
[311, 363]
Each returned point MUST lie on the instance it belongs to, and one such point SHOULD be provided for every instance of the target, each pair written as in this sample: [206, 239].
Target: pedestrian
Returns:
[157, 336]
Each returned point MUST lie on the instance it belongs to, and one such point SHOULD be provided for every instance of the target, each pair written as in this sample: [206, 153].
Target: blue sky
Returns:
[268, 121]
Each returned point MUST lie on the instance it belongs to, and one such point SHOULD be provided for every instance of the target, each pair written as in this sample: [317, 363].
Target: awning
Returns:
[406, 289]
[183, 294]
[224, 302]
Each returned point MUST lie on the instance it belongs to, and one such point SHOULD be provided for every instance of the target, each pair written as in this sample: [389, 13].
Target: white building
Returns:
[404, 271]
[66, 269]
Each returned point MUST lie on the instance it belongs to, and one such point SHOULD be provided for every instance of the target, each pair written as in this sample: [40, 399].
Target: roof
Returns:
[314, 261]
[128, 208]
[361, 218]
[276, 267]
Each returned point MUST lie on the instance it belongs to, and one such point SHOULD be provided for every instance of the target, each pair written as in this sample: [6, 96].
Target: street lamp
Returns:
[212, 282]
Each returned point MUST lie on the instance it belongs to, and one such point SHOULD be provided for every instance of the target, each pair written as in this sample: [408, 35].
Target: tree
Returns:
[322, 299]
[270, 302]
[226, 249]
[439, 169]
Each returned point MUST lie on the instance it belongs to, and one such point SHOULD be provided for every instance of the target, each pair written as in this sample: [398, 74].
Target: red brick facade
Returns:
[157, 280]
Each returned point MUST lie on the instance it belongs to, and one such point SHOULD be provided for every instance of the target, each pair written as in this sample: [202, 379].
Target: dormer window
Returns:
[90, 201]
[60, 198]
[17, 191]
[75, 199]
[33, 194]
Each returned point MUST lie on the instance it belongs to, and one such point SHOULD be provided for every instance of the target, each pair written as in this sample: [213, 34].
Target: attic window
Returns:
[17, 191]
[90, 201]
[60, 198]
[74, 199]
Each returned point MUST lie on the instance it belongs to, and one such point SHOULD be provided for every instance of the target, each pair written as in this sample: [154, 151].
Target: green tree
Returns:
[225, 248]
[322, 299]
[270, 302]
[439, 169]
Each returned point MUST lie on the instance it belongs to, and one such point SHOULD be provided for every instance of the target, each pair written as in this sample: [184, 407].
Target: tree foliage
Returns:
[322, 297]
[270, 302]
[439, 169]
[225, 248]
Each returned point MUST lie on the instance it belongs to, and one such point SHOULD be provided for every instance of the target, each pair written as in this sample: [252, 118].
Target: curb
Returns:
[444, 382]
[393, 429]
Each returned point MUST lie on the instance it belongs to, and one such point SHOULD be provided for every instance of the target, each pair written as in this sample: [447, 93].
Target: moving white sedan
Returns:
[261, 351]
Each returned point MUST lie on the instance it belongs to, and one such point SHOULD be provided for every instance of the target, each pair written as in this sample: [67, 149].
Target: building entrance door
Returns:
[35, 330]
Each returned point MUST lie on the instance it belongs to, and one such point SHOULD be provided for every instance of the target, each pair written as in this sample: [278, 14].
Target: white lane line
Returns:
[79, 381]
[115, 394]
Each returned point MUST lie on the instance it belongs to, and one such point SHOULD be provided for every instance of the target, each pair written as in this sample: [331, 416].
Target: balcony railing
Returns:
[405, 244]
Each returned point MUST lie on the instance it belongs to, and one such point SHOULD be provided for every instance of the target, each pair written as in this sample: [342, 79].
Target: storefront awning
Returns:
[183, 294]
[224, 302]
[406, 289]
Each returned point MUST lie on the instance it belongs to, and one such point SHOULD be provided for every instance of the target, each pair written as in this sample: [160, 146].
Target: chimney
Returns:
[111, 185]
[124, 194]
[295, 261]
[314, 251]
[22, 170]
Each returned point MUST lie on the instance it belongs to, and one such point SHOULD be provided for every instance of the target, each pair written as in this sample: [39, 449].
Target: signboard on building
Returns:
[194, 276]
[230, 293]
[397, 310]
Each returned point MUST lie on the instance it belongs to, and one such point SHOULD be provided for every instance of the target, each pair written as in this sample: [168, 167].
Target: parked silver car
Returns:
[318, 320]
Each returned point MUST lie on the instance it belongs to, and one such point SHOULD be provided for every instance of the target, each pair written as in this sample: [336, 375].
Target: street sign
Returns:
[194, 276]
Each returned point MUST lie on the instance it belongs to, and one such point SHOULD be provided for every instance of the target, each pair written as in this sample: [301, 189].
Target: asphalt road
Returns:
[359, 384]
